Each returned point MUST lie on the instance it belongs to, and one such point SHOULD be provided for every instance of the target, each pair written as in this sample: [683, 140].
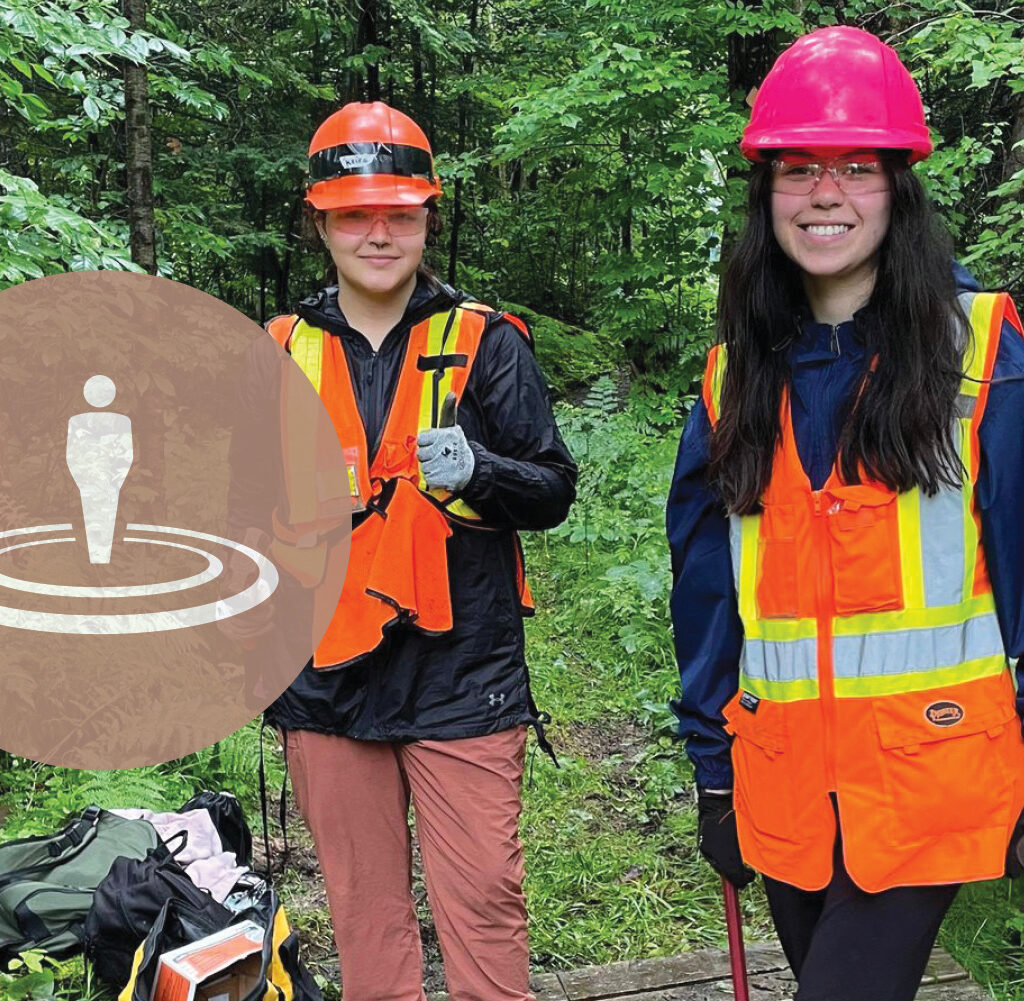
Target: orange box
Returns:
[224, 966]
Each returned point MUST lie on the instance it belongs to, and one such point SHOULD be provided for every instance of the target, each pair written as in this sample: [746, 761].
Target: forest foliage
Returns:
[588, 149]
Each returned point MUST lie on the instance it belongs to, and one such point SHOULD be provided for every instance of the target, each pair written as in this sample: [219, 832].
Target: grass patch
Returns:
[983, 933]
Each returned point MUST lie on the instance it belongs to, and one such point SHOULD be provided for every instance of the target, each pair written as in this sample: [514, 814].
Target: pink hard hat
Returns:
[837, 87]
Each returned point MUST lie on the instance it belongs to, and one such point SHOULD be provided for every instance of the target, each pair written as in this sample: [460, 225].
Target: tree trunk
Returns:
[369, 23]
[749, 57]
[1015, 155]
[457, 211]
[139, 151]
[282, 293]
[262, 317]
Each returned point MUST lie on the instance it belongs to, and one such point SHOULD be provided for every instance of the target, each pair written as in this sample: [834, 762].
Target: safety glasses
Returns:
[400, 221]
[855, 173]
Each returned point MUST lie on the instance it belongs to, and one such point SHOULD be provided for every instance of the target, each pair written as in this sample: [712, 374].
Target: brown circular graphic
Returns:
[174, 519]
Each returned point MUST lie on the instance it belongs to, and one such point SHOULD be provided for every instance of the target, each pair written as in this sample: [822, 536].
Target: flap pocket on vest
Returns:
[777, 560]
[908, 721]
[865, 554]
[765, 726]
[944, 763]
[763, 779]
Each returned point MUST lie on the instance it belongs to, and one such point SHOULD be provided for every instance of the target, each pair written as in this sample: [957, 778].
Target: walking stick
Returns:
[734, 929]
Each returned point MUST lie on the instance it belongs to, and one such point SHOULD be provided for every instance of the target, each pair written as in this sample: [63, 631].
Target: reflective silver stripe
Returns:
[735, 548]
[966, 405]
[909, 650]
[968, 339]
[773, 660]
[942, 547]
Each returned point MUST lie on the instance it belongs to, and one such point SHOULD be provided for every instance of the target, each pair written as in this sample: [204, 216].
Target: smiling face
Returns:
[377, 249]
[827, 232]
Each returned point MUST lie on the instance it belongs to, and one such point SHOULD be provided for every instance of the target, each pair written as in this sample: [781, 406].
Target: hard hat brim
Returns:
[371, 189]
[760, 145]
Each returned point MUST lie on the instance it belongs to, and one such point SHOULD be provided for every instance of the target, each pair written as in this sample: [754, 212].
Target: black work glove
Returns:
[717, 839]
[1015, 850]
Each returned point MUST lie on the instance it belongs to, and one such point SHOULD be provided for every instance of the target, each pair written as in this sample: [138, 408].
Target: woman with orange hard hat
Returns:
[846, 539]
[419, 690]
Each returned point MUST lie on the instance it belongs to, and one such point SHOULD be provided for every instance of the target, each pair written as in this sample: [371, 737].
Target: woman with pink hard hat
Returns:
[846, 540]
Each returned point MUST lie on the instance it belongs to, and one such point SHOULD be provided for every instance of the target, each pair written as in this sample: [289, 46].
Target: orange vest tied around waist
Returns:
[873, 666]
[398, 566]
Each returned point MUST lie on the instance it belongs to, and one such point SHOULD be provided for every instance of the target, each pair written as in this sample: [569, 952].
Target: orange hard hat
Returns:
[370, 154]
[842, 88]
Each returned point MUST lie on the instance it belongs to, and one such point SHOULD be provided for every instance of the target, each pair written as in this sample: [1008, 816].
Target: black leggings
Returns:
[845, 944]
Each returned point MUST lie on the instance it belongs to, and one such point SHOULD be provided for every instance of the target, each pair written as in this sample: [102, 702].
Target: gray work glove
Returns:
[445, 458]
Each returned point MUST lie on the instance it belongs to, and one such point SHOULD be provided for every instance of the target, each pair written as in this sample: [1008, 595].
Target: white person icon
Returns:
[99, 455]
[153, 440]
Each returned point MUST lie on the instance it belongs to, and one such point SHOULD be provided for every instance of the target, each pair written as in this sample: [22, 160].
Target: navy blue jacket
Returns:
[826, 364]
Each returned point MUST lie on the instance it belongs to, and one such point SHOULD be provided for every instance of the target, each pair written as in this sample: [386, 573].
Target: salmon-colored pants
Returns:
[354, 796]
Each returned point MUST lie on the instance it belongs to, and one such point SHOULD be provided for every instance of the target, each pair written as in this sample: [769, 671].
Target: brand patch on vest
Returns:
[944, 713]
[749, 702]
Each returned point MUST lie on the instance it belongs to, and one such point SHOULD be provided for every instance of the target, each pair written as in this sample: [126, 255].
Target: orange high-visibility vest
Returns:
[397, 567]
[873, 667]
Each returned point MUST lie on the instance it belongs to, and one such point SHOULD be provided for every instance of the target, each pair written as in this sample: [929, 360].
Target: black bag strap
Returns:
[263, 807]
[173, 853]
[75, 833]
[281, 805]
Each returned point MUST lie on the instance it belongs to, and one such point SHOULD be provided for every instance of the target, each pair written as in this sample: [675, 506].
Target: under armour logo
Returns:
[496, 698]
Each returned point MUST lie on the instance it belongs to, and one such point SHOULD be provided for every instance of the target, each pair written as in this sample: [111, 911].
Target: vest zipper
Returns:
[826, 682]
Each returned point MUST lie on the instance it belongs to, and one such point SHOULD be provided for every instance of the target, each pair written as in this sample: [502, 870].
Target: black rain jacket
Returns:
[472, 680]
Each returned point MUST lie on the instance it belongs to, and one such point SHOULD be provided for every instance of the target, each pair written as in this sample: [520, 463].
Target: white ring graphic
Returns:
[148, 622]
[214, 568]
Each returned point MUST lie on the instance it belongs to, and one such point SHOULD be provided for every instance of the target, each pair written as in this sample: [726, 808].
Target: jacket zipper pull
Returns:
[835, 339]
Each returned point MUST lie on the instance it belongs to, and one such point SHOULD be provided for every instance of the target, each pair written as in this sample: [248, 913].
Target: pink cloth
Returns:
[354, 796]
[203, 857]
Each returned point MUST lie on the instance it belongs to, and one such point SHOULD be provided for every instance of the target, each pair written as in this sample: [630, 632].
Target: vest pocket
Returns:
[942, 763]
[865, 556]
[777, 558]
[762, 774]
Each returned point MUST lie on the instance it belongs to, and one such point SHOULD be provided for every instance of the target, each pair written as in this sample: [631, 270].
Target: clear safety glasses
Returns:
[859, 173]
[399, 221]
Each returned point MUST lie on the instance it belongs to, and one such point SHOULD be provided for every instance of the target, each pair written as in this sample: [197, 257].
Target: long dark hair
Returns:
[898, 429]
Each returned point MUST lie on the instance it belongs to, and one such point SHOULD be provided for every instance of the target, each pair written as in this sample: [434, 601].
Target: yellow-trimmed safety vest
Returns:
[397, 570]
[873, 666]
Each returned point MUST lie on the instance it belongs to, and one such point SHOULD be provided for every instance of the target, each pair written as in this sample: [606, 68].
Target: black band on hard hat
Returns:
[370, 158]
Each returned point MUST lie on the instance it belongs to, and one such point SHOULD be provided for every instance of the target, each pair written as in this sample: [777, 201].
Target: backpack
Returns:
[47, 883]
[127, 903]
[282, 974]
[227, 817]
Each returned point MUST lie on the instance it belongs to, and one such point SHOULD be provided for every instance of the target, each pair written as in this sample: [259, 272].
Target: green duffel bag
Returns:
[47, 883]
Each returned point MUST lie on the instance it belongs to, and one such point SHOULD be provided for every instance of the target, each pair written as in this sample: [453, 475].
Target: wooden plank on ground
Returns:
[942, 968]
[547, 987]
[960, 990]
[705, 976]
[636, 976]
[775, 987]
